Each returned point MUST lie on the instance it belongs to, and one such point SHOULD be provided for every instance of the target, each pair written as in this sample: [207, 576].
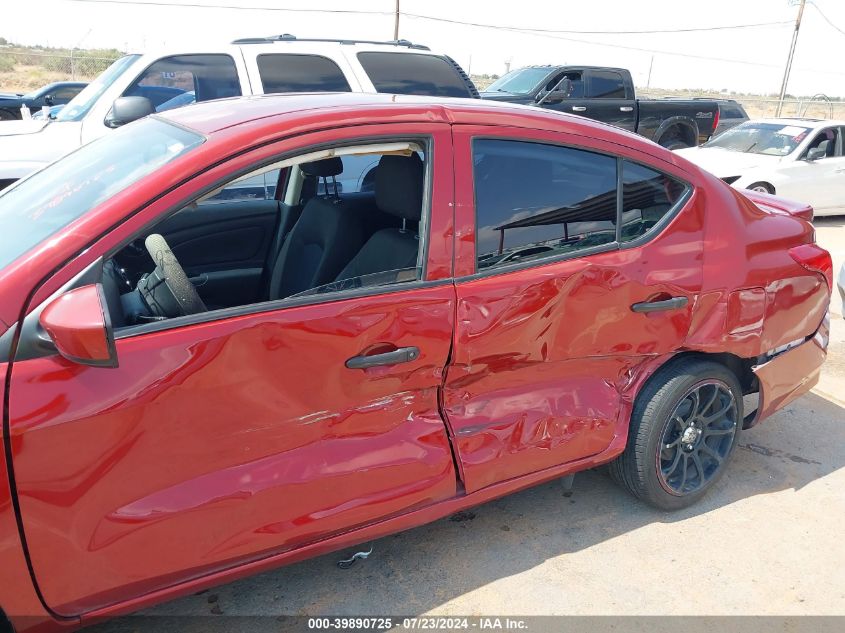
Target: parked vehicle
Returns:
[178, 383]
[57, 93]
[795, 158]
[52, 112]
[607, 95]
[731, 114]
[247, 66]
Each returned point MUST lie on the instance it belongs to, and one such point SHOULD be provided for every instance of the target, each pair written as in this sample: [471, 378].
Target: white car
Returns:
[841, 283]
[802, 159]
[154, 81]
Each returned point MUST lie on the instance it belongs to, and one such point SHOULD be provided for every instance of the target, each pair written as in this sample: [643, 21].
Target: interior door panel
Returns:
[223, 247]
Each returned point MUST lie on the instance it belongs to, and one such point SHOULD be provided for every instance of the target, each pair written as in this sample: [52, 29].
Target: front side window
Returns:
[827, 141]
[568, 85]
[282, 72]
[328, 237]
[414, 74]
[51, 199]
[184, 79]
[534, 200]
[606, 85]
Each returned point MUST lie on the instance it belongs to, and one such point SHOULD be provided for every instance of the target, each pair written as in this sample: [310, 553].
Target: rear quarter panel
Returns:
[755, 297]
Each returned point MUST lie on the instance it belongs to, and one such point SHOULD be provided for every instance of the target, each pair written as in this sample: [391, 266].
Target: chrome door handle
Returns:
[401, 355]
[579, 108]
[626, 109]
[657, 306]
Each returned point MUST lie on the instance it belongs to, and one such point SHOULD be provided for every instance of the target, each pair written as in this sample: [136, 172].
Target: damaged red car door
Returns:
[223, 442]
[557, 306]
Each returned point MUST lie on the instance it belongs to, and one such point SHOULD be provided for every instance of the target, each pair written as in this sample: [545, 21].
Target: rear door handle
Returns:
[579, 108]
[626, 109]
[657, 306]
[401, 355]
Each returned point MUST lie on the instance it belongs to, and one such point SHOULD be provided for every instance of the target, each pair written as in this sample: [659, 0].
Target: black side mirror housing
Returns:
[555, 96]
[48, 99]
[128, 109]
[815, 154]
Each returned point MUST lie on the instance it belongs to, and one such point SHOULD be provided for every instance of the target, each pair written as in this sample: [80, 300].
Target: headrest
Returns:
[324, 168]
[399, 186]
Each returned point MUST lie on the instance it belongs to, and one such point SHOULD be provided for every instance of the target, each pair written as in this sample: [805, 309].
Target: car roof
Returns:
[213, 116]
[243, 120]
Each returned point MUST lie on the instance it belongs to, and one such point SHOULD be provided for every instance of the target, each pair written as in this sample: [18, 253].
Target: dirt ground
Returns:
[766, 541]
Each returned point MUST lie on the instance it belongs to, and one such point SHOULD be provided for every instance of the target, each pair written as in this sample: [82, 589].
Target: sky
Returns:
[742, 60]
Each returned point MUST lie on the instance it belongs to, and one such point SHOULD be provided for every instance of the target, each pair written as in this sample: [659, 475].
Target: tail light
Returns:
[815, 259]
[716, 118]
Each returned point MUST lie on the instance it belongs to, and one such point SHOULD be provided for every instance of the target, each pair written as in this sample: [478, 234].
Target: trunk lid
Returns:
[778, 205]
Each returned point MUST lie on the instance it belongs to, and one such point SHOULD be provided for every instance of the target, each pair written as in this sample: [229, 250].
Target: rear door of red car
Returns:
[237, 437]
[549, 344]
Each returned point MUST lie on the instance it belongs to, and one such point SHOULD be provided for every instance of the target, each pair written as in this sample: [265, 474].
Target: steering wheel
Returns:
[167, 290]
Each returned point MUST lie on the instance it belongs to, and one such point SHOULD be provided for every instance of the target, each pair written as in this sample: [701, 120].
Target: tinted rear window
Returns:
[414, 74]
[729, 111]
[606, 85]
[300, 73]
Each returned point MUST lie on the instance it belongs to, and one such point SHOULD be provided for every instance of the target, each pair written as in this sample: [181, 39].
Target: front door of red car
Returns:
[244, 434]
[559, 302]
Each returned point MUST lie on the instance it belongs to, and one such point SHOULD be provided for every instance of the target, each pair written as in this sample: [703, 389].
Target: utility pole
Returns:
[650, 66]
[396, 22]
[788, 68]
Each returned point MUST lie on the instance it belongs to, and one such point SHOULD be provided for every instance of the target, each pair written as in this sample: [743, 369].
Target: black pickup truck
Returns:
[607, 95]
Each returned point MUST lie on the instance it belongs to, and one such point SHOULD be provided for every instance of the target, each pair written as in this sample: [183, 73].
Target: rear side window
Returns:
[606, 85]
[414, 74]
[534, 200]
[282, 72]
[730, 111]
[183, 79]
[647, 197]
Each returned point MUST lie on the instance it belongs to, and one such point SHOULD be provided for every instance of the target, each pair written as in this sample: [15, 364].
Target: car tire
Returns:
[762, 187]
[670, 436]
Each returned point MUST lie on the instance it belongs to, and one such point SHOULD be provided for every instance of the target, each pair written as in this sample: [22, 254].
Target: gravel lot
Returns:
[767, 540]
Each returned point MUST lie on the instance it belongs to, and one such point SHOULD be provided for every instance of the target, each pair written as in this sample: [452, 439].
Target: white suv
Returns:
[161, 81]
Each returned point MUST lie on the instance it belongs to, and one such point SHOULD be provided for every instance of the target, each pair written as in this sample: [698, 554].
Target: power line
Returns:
[826, 19]
[553, 36]
[164, 3]
[547, 33]
[195, 5]
[578, 32]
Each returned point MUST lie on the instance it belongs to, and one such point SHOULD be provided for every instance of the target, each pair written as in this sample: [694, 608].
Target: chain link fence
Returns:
[760, 107]
[30, 69]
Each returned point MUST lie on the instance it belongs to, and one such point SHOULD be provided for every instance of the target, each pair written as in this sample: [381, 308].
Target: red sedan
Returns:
[252, 331]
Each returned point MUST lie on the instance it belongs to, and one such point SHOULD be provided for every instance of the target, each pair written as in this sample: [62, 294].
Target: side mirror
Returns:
[48, 99]
[128, 109]
[555, 96]
[78, 324]
[815, 154]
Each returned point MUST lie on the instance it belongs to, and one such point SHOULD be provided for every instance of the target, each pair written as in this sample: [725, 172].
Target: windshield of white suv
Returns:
[520, 81]
[38, 206]
[773, 139]
[79, 106]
